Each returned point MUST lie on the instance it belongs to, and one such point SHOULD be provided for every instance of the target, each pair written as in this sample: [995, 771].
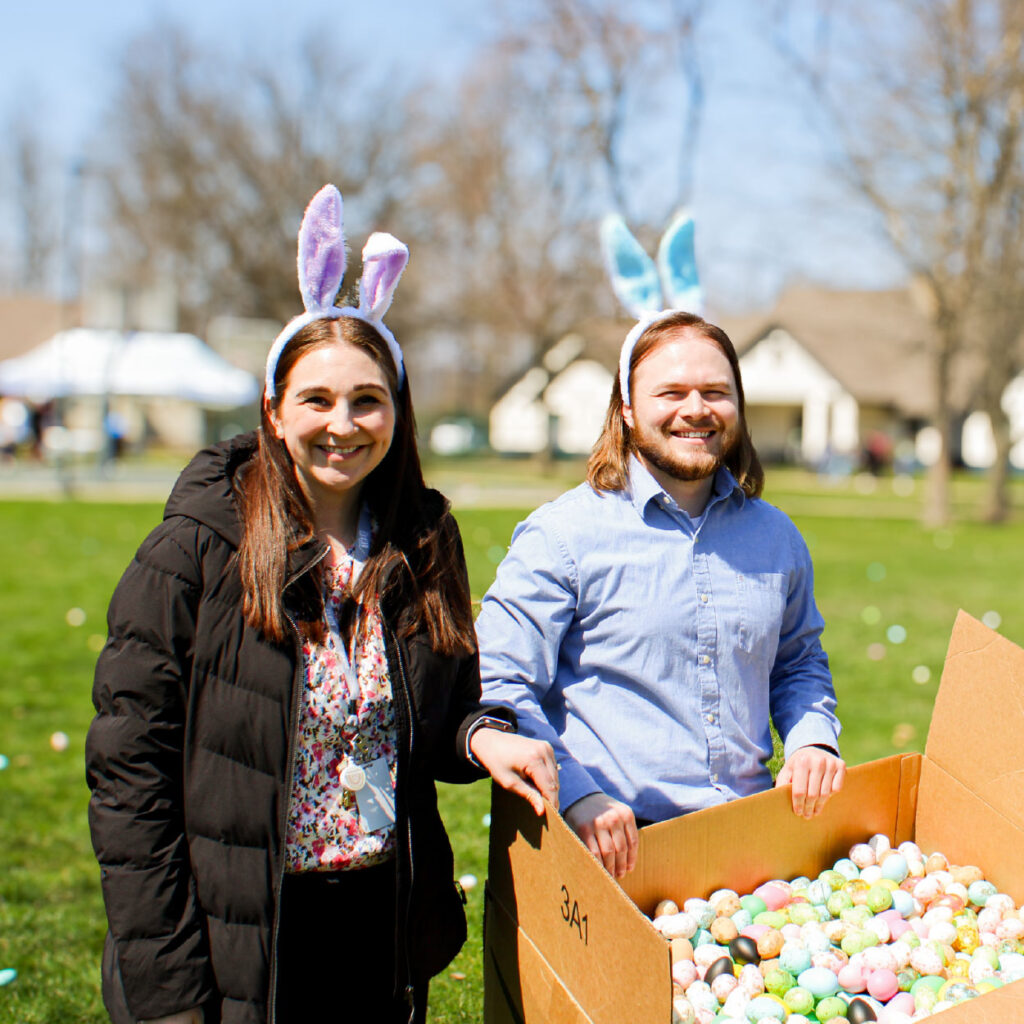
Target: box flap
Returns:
[571, 910]
[519, 985]
[741, 844]
[978, 721]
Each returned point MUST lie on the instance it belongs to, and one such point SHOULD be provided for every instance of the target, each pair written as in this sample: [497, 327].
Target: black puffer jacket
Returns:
[188, 760]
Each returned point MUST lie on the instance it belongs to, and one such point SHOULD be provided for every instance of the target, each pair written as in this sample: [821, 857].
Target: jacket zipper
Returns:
[410, 993]
[289, 778]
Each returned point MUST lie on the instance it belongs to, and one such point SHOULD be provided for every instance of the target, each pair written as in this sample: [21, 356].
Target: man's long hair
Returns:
[608, 468]
[416, 554]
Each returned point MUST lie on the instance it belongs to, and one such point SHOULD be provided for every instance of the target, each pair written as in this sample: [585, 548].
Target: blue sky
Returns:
[765, 212]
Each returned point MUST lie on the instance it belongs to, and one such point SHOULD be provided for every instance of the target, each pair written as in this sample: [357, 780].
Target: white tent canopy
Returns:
[142, 364]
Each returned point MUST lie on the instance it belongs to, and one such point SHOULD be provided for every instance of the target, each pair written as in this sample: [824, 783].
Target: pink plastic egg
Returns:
[883, 985]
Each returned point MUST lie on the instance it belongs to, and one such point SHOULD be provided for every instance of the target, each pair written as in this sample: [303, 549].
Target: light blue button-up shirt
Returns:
[650, 648]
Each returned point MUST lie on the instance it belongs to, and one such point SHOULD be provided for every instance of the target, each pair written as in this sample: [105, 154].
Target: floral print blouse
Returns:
[341, 720]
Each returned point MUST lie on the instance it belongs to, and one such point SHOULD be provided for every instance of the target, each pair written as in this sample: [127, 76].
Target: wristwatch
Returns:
[486, 722]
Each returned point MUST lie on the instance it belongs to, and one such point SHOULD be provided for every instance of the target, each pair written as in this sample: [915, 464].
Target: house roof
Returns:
[28, 320]
[875, 343]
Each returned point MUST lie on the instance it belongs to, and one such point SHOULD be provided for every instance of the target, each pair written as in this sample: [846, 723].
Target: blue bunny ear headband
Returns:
[321, 261]
[644, 287]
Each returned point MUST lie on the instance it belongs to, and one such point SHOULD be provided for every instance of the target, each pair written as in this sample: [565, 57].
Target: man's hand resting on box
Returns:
[608, 829]
[815, 774]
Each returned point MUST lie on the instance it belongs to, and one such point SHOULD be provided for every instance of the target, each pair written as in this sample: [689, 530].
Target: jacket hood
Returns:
[205, 489]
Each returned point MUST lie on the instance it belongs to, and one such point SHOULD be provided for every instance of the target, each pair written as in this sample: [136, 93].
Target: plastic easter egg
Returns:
[853, 978]
[902, 1002]
[682, 1011]
[682, 949]
[801, 913]
[799, 1000]
[894, 866]
[833, 879]
[778, 981]
[883, 985]
[772, 895]
[859, 1011]
[771, 918]
[684, 973]
[676, 926]
[979, 892]
[761, 1007]
[704, 956]
[879, 899]
[818, 891]
[751, 980]
[666, 907]
[846, 867]
[829, 1007]
[724, 930]
[7, 975]
[753, 905]
[819, 981]
[862, 855]
[723, 965]
[723, 986]
[770, 944]
[743, 950]
[927, 982]
[795, 959]
[838, 902]
[742, 918]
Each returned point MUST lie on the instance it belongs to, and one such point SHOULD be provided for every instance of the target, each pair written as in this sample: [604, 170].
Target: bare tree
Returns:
[626, 71]
[923, 103]
[214, 164]
[33, 188]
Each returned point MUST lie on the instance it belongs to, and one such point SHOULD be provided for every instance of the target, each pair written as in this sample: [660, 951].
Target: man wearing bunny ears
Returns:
[653, 621]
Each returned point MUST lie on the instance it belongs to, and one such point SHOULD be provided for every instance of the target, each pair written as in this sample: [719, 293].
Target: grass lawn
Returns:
[876, 570]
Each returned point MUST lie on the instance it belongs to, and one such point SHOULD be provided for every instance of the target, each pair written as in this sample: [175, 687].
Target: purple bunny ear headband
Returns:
[640, 284]
[321, 263]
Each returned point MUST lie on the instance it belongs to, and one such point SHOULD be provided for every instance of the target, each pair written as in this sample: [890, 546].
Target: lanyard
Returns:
[358, 554]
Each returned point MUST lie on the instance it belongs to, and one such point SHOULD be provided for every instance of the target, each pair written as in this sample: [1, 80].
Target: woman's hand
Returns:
[193, 1016]
[519, 764]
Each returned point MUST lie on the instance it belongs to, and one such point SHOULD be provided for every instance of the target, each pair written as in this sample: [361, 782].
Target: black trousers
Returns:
[336, 950]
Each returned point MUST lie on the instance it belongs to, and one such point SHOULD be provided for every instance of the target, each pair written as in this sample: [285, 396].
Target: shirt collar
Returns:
[643, 488]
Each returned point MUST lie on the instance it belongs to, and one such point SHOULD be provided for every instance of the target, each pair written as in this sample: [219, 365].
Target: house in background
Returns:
[828, 376]
[826, 372]
[557, 405]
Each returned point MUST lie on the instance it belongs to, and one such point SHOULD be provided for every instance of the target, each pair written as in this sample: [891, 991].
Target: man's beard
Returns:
[655, 447]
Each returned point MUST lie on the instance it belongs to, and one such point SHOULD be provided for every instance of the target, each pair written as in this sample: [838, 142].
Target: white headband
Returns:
[321, 263]
[640, 285]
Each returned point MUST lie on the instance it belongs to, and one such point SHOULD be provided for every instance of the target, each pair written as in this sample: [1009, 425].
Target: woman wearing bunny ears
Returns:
[290, 666]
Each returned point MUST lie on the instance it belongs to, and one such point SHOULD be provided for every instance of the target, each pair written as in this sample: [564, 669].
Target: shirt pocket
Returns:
[762, 606]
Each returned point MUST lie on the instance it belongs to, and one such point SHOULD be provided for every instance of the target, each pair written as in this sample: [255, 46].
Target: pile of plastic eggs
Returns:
[888, 935]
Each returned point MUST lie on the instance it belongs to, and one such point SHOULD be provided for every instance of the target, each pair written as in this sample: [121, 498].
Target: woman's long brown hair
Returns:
[415, 562]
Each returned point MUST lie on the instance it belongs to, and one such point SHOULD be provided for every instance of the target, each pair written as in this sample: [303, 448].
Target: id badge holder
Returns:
[375, 797]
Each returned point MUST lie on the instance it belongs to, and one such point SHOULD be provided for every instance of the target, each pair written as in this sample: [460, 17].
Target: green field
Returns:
[876, 569]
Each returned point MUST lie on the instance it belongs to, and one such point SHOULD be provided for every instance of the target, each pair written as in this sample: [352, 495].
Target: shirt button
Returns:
[714, 778]
[711, 719]
[704, 598]
[705, 660]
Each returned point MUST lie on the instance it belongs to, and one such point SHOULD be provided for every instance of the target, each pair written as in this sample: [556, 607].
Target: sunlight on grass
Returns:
[888, 589]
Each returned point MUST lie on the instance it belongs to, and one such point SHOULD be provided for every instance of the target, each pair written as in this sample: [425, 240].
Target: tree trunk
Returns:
[996, 508]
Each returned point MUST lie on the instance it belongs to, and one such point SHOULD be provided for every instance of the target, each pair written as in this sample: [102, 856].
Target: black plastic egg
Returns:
[743, 950]
[723, 965]
[859, 1011]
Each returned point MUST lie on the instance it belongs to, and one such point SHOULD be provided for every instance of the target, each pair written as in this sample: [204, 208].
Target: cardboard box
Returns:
[565, 944]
